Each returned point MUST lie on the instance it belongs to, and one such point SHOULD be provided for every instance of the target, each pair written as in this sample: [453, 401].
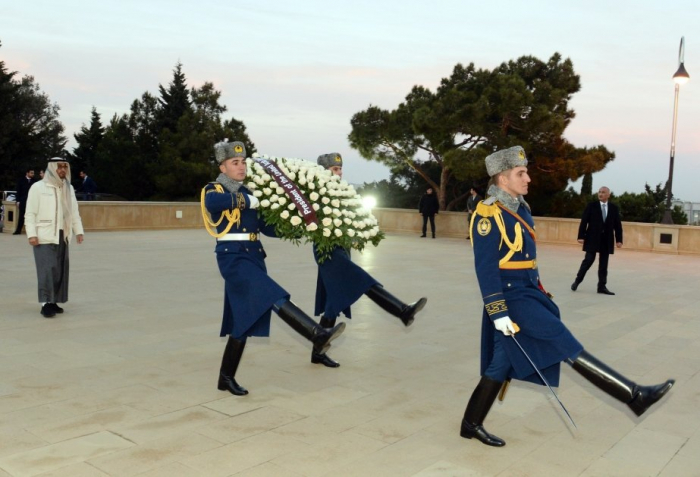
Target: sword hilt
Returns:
[517, 328]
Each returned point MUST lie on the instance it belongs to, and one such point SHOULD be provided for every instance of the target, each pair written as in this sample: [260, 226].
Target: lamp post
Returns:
[680, 77]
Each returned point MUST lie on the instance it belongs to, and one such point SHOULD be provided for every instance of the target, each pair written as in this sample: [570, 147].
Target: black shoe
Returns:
[227, 383]
[638, 398]
[469, 431]
[16, 233]
[47, 311]
[422, 236]
[648, 395]
[56, 308]
[605, 291]
[574, 286]
[322, 358]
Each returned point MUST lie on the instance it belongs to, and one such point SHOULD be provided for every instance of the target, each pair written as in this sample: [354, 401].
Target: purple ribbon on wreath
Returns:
[308, 214]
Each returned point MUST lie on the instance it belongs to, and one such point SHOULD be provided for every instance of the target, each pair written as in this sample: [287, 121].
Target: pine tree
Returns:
[88, 139]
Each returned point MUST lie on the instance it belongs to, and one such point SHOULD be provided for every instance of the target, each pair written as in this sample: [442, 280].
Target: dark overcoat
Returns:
[597, 235]
[518, 294]
[339, 284]
[249, 291]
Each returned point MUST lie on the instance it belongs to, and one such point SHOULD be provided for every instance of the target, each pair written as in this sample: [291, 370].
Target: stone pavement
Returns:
[124, 382]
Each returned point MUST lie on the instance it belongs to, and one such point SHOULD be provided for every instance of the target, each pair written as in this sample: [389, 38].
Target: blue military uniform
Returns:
[505, 257]
[249, 292]
[339, 284]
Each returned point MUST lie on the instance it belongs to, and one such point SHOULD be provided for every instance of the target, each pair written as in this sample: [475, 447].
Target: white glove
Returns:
[254, 202]
[504, 325]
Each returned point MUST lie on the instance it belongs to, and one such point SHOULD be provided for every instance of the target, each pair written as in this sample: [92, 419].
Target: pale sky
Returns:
[296, 72]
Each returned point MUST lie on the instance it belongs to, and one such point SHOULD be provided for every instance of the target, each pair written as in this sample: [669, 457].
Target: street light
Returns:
[680, 77]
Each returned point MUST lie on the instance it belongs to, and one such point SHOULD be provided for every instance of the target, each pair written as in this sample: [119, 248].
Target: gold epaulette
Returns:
[487, 210]
[233, 215]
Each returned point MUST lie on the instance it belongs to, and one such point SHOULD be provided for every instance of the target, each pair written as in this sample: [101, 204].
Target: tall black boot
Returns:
[638, 398]
[229, 365]
[322, 358]
[308, 328]
[393, 305]
[479, 405]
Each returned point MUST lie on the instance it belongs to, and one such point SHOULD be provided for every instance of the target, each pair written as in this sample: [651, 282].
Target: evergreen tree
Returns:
[30, 131]
[474, 112]
[174, 101]
[89, 138]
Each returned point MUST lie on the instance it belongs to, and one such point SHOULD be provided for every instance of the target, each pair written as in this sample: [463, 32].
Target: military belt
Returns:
[524, 265]
[252, 237]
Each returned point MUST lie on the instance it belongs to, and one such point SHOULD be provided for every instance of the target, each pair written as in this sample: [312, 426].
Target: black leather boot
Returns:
[393, 305]
[229, 365]
[479, 405]
[322, 358]
[638, 398]
[308, 328]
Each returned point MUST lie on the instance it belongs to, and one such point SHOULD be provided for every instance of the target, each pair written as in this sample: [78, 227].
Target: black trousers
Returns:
[432, 224]
[602, 267]
[20, 216]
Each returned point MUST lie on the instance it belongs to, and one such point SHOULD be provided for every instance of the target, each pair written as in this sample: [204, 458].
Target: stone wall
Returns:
[676, 239]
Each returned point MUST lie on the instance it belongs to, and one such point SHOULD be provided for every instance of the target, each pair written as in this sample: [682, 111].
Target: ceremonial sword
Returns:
[517, 328]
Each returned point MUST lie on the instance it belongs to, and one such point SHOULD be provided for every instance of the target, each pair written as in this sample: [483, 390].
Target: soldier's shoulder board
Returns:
[487, 208]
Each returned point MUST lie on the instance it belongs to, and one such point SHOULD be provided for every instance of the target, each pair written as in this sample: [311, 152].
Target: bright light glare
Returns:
[369, 202]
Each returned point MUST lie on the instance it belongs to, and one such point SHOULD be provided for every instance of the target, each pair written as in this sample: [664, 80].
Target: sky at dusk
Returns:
[296, 72]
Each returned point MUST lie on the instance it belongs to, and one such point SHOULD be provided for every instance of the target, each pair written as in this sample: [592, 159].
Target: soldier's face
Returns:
[337, 170]
[234, 168]
[515, 181]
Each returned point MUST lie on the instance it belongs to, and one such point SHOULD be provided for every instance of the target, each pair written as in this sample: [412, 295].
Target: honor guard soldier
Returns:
[505, 257]
[341, 283]
[230, 215]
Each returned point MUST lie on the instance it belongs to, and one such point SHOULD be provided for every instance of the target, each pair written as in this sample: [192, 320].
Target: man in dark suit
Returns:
[23, 186]
[600, 231]
[88, 186]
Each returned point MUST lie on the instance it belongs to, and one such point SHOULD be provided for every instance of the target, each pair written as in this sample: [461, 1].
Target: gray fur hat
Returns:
[226, 150]
[329, 160]
[505, 159]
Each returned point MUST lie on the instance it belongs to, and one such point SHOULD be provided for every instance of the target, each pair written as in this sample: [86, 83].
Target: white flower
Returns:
[292, 175]
[311, 185]
[337, 222]
[335, 203]
[366, 234]
[302, 180]
[282, 200]
[279, 190]
[326, 232]
[267, 191]
[337, 212]
[257, 193]
[322, 190]
[275, 206]
[350, 232]
[266, 177]
[313, 196]
[327, 211]
[347, 221]
[327, 221]
[295, 220]
[265, 203]
[284, 214]
[325, 200]
[338, 232]
[274, 198]
[312, 226]
[273, 184]
[315, 206]
[259, 181]
[373, 232]
[250, 185]
[291, 206]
